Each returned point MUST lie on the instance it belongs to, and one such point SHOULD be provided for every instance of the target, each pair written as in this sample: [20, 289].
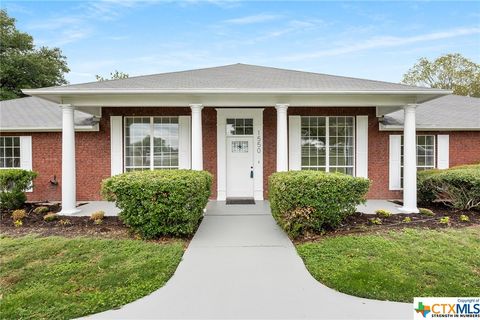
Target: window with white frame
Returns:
[425, 154]
[10, 152]
[328, 144]
[151, 143]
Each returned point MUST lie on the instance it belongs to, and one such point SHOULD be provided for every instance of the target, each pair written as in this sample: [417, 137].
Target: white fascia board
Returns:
[38, 92]
[50, 129]
[383, 127]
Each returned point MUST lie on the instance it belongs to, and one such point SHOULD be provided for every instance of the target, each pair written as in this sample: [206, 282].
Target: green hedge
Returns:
[13, 183]
[458, 187]
[310, 201]
[162, 202]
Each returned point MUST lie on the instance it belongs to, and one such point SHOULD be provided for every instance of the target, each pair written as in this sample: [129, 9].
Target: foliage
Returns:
[456, 187]
[379, 266]
[50, 217]
[22, 66]
[426, 212]
[445, 220]
[13, 183]
[451, 71]
[97, 215]
[310, 201]
[67, 278]
[40, 210]
[407, 220]
[464, 218]
[382, 213]
[19, 214]
[64, 222]
[116, 75]
[161, 202]
[18, 223]
[376, 221]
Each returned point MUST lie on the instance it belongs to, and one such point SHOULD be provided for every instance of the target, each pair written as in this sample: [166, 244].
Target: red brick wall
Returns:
[93, 150]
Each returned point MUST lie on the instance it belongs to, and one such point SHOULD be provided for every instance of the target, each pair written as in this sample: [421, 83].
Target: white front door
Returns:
[240, 171]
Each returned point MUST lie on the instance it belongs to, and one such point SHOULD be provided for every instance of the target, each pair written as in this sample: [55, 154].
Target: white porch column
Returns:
[197, 144]
[282, 137]
[409, 160]
[68, 161]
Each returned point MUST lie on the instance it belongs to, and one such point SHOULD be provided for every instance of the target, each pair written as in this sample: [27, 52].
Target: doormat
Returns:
[240, 201]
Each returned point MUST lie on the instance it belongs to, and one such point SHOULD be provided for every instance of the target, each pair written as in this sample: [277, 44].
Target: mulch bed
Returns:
[360, 223]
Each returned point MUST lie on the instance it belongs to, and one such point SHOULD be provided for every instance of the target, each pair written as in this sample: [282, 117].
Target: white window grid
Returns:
[147, 153]
[239, 126]
[332, 143]
[425, 151]
[10, 153]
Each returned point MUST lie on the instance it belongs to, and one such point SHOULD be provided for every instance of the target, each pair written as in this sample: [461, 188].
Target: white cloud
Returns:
[383, 42]
[258, 18]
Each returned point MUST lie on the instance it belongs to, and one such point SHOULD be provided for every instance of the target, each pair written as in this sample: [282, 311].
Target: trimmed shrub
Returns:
[426, 212]
[161, 202]
[458, 187]
[13, 183]
[310, 201]
[18, 214]
[382, 213]
[97, 215]
[51, 216]
[40, 210]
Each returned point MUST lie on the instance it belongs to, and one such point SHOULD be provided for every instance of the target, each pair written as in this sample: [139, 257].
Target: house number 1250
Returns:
[259, 142]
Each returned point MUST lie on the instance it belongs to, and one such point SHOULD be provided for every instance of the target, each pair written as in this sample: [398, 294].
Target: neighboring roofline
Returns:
[95, 127]
[383, 127]
[206, 91]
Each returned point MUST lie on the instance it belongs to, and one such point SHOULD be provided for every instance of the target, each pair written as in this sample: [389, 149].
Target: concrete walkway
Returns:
[241, 265]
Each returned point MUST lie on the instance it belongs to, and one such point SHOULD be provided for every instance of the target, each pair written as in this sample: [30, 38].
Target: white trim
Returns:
[383, 127]
[116, 145]
[394, 161]
[361, 140]
[222, 115]
[294, 143]
[95, 127]
[184, 145]
[443, 145]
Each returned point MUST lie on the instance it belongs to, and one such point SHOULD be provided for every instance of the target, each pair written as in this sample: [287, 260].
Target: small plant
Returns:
[407, 220]
[464, 218]
[382, 213]
[40, 210]
[376, 221]
[97, 215]
[18, 215]
[18, 223]
[426, 212]
[50, 217]
[445, 220]
[98, 221]
[64, 222]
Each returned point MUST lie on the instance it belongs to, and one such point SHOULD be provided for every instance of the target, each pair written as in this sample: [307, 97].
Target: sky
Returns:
[372, 40]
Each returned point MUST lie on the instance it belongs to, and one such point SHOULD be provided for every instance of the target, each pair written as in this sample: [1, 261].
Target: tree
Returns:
[451, 71]
[113, 76]
[22, 66]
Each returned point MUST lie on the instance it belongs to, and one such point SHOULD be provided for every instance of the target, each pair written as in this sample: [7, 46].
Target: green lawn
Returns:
[60, 278]
[398, 265]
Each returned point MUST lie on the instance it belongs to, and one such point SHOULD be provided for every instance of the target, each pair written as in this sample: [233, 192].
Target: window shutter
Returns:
[395, 162]
[362, 147]
[116, 145]
[294, 143]
[443, 161]
[184, 144]
[26, 155]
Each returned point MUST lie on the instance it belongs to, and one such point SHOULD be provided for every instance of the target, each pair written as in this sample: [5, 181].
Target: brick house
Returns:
[239, 122]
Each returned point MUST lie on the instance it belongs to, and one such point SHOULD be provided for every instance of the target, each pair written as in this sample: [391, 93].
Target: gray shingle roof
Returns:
[240, 77]
[452, 111]
[36, 114]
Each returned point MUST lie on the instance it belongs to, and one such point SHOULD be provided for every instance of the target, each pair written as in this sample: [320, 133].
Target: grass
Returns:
[63, 278]
[398, 265]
